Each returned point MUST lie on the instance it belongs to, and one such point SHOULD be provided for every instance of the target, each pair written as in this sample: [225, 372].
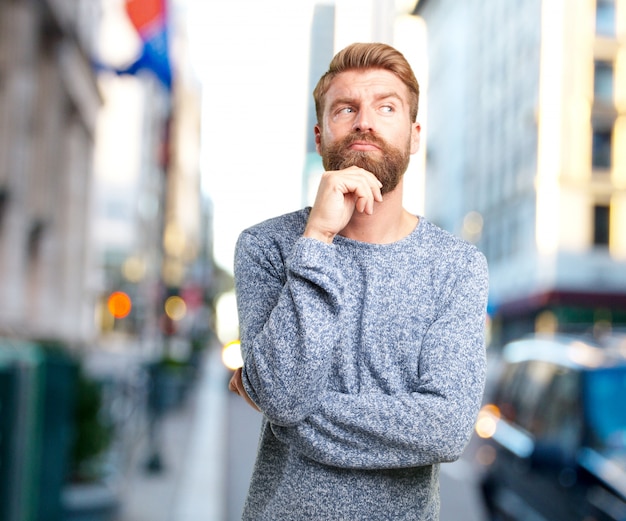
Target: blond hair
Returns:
[368, 56]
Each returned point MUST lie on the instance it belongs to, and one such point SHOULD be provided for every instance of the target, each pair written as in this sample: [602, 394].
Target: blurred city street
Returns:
[127, 175]
[191, 443]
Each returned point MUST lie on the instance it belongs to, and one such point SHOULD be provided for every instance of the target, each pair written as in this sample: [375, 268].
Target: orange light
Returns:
[492, 409]
[486, 426]
[119, 304]
[487, 421]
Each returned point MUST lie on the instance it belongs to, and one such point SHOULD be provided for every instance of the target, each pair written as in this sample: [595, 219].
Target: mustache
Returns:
[363, 138]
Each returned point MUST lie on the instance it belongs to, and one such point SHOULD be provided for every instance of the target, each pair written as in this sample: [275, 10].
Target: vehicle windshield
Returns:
[605, 407]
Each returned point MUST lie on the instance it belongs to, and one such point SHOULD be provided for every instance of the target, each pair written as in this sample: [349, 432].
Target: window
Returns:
[508, 391]
[559, 418]
[606, 412]
[521, 390]
[603, 81]
[605, 17]
[601, 221]
[601, 148]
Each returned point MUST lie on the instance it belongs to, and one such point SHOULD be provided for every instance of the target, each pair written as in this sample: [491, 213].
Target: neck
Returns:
[389, 223]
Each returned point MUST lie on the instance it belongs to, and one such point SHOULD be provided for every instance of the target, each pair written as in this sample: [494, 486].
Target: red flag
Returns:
[149, 17]
[146, 15]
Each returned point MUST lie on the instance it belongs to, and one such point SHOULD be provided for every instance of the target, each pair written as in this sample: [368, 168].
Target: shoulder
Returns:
[449, 248]
[278, 229]
[272, 239]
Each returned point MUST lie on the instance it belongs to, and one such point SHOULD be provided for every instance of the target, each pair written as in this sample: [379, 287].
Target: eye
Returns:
[343, 112]
[388, 109]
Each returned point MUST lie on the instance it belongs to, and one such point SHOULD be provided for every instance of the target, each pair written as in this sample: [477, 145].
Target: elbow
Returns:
[282, 410]
[285, 408]
[447, 452]
[455, 451]
[283, 402]
[457, 442]
[280, 406]
[448, 443]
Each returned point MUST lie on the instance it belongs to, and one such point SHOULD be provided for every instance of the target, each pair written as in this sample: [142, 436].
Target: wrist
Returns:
[326, 237]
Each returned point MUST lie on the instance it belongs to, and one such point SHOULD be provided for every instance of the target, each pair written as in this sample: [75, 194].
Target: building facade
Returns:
[151, 222]
[48, 108]
[99, 173]
[527, 107]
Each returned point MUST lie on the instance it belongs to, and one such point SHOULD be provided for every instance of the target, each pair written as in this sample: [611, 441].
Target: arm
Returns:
[430, 425]
[287, 327]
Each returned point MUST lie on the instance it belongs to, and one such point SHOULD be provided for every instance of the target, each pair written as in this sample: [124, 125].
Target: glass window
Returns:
[521, 391]
[603, 81]
[559, 420]
[538, 376]
[601, 223]
[508, 389]
[601, 148]
[605, 17]
[605, 391]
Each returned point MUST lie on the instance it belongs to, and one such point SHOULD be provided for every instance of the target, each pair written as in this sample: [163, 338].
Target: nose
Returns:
[363, 122]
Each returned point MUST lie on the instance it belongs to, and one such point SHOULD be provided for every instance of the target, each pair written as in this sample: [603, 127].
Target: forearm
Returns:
[389, 431]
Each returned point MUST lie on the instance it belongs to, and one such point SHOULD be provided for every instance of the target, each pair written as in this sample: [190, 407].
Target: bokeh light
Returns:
[487, 421]
[231, 355]
[175, 308]
[119, 304]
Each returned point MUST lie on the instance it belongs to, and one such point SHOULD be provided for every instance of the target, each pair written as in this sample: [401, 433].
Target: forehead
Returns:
[364, 84]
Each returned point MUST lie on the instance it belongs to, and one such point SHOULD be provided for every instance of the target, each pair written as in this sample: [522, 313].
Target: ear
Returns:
[318, 138]
[415, 137]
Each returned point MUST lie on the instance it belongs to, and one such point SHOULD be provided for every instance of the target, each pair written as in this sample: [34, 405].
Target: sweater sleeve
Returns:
[286, 315]
[430, 425]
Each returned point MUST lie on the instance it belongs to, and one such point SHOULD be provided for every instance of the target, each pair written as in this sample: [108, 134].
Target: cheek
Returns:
[323, 139]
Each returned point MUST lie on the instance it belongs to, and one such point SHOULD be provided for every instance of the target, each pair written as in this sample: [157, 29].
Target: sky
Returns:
[252, 58]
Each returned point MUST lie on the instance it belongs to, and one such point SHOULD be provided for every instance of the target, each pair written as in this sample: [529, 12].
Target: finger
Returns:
[364, 197]
[375, 186]
[370, 182]
[240, 389]
[363, 205]
[235, 381]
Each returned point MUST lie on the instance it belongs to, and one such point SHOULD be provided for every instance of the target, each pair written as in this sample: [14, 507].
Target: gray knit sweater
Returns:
[368, 363]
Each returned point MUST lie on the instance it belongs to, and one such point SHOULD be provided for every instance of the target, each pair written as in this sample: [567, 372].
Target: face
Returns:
[366, 123]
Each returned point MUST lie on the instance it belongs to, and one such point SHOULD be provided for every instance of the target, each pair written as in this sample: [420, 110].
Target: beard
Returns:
[388, 166]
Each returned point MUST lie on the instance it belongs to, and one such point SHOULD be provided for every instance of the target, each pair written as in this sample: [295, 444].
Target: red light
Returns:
[119, 304]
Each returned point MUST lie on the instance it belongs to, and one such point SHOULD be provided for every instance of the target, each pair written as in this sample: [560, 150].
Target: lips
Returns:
[363, 146]
[363, 143]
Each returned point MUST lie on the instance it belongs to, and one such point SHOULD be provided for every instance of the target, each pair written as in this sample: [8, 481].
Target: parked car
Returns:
[554, 433]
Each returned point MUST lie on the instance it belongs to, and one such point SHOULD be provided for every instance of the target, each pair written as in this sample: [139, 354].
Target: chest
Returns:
[386, 314]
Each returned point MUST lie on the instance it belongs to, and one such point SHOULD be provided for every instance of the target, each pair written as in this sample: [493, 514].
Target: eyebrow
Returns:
[391, 94]
[350, 100]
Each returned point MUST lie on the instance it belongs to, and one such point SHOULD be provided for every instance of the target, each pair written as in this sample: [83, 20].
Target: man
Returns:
[361, 324]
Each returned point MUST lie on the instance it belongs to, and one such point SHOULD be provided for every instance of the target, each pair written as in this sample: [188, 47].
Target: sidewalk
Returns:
[191, 444]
